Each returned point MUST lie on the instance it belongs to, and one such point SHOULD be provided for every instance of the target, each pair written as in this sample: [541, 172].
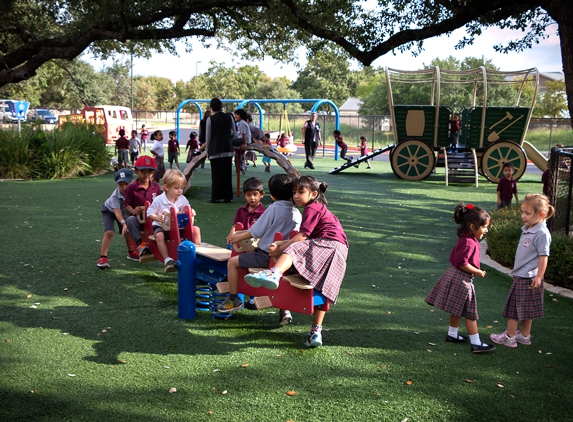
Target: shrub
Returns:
[503, 238]
[73, 150]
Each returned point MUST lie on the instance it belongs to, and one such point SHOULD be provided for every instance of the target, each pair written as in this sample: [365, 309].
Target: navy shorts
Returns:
[256, 259]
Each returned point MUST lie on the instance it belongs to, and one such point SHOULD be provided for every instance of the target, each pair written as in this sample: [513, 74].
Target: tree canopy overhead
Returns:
[33, 32]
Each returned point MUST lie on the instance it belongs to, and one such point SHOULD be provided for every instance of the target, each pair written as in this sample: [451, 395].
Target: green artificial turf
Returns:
[108, 345]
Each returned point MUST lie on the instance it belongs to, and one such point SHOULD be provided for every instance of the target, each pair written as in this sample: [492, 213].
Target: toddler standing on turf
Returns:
[159, 211]
[112, 212]
[173, 150]
[281, 216]
[364, 150]
[267, 160]
[454, 292]
[525, 299]
[134, 147]
[506, 187]
[318, 252]
[122, 147]
[144, 189]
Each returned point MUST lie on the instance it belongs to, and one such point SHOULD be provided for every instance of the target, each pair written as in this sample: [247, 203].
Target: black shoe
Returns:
[311, 167]
[450, 339]
[482, 348]
[213, 201]
[250, 306]
[227, 201]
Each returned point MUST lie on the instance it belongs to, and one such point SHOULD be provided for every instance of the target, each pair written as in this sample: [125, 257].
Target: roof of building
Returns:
[556, 76]
[351, 104]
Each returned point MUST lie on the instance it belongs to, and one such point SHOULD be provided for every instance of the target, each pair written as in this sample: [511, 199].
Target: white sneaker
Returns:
[521, 339]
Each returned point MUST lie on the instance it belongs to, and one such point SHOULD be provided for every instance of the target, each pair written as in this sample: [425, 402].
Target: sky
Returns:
[546, 56]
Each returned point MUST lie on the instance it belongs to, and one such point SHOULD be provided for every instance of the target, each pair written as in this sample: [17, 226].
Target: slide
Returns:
[535, 156]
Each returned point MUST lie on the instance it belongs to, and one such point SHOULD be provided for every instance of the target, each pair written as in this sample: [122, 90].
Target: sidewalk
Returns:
[486, 259]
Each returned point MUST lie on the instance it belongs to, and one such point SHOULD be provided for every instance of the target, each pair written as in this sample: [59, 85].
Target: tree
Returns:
[553, 102]
[34, 32]
[278, 88]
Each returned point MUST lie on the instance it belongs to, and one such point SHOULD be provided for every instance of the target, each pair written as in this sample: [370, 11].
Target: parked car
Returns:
[7, 116]
[44, 115]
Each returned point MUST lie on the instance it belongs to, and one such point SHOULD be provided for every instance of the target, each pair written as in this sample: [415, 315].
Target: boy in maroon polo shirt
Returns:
[507, 187]
[253, 191]
[173, 150]
[143, 189]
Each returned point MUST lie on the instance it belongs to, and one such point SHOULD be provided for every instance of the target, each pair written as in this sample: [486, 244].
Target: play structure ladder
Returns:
[461, 167]
[361, 159]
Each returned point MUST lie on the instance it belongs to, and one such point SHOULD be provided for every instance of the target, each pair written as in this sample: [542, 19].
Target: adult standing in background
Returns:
[219, 132]
[202, 128]
[311, 139]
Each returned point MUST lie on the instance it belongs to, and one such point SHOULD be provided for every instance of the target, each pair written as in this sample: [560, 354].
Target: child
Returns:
[454, 292]
[173, 150]
[280, 216]
[158, 152]
[173, 184]
[192, 146]
[282, 140]
[506, 187]
[121, 147]
[318, 252]
[525, 299]
[364, 150]
[136, 194]
[134, 147]
[248, 214]
[112, 211]
[342, 145]
[144, 134]
[455, 127]
[267, 160]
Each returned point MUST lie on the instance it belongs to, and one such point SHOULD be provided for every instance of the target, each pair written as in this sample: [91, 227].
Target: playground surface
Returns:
[78, 343]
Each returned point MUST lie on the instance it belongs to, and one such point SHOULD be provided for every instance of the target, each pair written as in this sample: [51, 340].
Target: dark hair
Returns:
[268, 135]
[465, 215]
[249, 117]
[280, 187]
[216, 104]
[153, 136]
[363, 137]
[192, 135]
[253, 183]
[507, 164]
[207, 114]
[172, 133]
[336, 132]
[242, 113]
[121, 132]
[313, 185]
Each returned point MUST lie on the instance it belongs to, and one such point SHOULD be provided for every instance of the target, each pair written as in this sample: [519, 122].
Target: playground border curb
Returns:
[486, 259]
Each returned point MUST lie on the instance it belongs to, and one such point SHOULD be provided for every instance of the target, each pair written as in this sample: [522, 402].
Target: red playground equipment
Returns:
[294, 292]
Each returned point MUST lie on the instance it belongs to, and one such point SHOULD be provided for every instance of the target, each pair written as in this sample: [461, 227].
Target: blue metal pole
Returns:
[186, 280]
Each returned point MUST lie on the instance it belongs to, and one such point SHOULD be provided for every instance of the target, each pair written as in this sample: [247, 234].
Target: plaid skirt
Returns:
[454, 293]
[322, 262]
[522, 303]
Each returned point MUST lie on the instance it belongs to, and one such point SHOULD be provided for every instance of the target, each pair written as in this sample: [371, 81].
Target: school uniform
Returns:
[321, 259]
[454, 291]
[161, 205]
[523, 303]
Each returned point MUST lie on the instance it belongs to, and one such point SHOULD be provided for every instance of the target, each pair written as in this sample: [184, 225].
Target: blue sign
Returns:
[19, 109]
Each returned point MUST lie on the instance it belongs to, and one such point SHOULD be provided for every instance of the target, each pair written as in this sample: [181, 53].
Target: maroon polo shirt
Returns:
[136, 195]
[506, 189]
[319, 222]
[122, 143]
[466, 251]
[248, 218]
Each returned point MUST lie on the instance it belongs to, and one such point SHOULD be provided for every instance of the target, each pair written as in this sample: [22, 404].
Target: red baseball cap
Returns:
[145, 162]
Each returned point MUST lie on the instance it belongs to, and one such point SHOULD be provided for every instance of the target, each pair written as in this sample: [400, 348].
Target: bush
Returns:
[70, 151]
[503, 238]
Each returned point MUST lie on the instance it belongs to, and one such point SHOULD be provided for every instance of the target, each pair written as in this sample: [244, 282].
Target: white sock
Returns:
[166, 259]
[453, 332]
[474, 339]
[276, 271]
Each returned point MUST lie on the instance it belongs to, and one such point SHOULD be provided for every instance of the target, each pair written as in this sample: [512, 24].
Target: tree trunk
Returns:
[562, 12]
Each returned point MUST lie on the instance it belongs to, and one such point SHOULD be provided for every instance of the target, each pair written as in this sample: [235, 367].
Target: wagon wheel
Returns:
[502, 152]
[412, 160]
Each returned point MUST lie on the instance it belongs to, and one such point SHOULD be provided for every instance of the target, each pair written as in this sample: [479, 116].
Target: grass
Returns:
[378, 338]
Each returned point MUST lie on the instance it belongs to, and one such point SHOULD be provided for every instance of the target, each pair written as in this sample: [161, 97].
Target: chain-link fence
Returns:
[560, 190]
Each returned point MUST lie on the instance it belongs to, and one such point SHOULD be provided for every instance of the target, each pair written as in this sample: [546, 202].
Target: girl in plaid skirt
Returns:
[318, 252]
[454, 292]
[525, 299]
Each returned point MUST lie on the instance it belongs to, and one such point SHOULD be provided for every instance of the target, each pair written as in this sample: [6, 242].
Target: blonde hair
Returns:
[540, 203]
[174, 178]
